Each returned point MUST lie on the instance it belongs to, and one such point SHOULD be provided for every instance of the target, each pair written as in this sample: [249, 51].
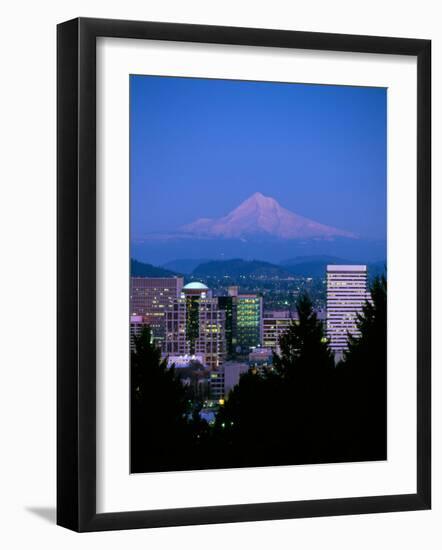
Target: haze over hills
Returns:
[237, 268]
[314, 258]
[316, 266]
[261, 215]
[312, 266]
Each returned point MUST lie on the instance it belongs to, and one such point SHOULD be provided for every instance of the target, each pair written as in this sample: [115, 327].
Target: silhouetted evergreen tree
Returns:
[304, 348]
[281, 416]
[369, 348]
[362, 380]
[158, 408]
[245, 427]
[307, 366]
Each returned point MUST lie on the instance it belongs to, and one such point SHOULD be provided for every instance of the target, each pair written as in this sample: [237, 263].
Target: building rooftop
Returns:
[261, 351]
[195, 286]
[346, 268]
[279, 314]
[136, 319]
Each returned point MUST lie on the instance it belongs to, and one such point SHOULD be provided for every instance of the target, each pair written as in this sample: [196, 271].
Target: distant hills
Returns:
[301, 266]
[140, 269]
[185, 266]
[236, 268]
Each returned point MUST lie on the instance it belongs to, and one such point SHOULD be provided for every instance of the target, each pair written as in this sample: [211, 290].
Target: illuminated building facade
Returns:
[274, 325]
[232, 374]
[137, 323]
[216, 384]
[225, 378]
[228, 305]
[243, 321]
[346, 296]
[261, 359]
[248, 322]
[196, 325]
[151, 297]
[183, 361]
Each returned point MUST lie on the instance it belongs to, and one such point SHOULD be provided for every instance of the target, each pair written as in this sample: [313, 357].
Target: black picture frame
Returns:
[76, 274]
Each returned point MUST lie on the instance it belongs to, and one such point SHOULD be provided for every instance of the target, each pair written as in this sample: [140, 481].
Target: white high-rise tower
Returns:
[346, 296]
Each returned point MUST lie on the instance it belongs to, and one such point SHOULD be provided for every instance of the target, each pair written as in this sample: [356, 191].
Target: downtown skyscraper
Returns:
[243, 320]
[346, 296]
[274, 325]
[196, 325]
[150, 299]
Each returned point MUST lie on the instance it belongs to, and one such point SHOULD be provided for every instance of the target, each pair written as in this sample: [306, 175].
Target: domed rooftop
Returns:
[195, 286]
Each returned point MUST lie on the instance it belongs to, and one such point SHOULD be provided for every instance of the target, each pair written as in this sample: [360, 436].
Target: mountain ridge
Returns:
[238, 267]
[143, 269]
[309, 266]
[184, 265]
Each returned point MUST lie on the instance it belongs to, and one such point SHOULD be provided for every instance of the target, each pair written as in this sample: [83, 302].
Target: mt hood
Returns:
[258, 216]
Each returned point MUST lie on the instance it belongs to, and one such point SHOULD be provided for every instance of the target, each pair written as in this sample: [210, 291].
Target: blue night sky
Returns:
[200, 147]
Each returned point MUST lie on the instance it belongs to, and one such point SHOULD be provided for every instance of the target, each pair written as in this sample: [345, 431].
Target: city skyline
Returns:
[211, 337]
[221, 323]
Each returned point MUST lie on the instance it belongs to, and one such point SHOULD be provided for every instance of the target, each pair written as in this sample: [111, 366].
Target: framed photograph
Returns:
[243, 274]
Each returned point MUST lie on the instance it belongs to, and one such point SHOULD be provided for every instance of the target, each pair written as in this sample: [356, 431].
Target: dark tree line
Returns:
[304, 409]
[166, 431]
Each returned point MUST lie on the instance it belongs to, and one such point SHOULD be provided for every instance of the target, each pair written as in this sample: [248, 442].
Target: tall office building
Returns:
[216, 384]
[137, 324]
[225, 378]
[274, 325]
[248, 322]
[232, 373]
[151, 297]
[196, 325]
[228, 305]
[243, 321]
[346, 296]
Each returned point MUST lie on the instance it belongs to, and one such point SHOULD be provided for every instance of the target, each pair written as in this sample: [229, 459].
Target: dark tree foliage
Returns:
[281, 416]
[306, 410]
[304, 348]
[362, 378]
[158, 408]
[371, 346]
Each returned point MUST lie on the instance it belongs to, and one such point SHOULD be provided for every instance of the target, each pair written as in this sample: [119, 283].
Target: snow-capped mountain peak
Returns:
[261, 215]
